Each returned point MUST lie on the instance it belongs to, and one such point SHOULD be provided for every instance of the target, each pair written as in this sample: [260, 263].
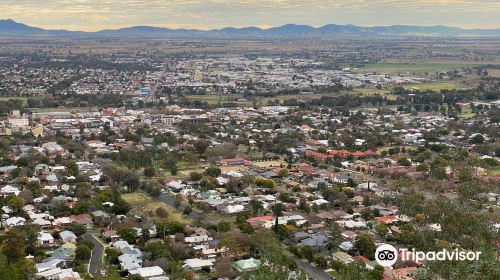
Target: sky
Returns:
[93, 15]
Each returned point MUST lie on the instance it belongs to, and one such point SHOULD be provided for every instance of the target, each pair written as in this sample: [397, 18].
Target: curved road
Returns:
[312, 271]
[96, 256]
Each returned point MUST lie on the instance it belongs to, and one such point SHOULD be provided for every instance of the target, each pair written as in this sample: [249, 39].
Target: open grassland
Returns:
[240, 101]
[417, 68]
[144, 204]
[372, 91]
[434, 86]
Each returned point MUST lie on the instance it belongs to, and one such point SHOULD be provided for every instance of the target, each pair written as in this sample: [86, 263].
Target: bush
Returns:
[223, 226]
[161, 212]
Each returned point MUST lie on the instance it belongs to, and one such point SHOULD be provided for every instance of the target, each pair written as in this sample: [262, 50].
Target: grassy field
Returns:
[372, 91]
[23, 99]
[144, 204]
[493, 171]
[188, 171]
[419, 68]
[215, 99]
[466, 113]
[434, 86]
[238, 99]
[184, 165]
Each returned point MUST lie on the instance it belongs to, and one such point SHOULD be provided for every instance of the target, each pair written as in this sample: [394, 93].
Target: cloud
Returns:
[100, 14]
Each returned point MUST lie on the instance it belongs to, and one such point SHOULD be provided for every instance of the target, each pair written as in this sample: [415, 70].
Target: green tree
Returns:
[14, 247]
[77, 229]
[278, 212]
[135, 277]
[128, 234]
[213, 171]
[149, 171]
[201, 146]
[382, 229]
[112, 255]
[223, 226]
[477, 139]
[365, 246]
[72, 168]
[82, 253]
[161, 212]
[187, 210]
[16, 204]
[195, 176]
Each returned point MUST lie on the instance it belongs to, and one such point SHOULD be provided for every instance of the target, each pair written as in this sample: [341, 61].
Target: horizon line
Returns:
[262, 27]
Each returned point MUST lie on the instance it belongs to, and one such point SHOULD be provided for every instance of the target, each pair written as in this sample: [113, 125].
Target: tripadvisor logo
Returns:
[387, 255]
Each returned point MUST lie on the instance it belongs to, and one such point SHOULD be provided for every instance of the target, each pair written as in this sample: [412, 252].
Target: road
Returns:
[312, 271]
[151, 96]
[97, 255]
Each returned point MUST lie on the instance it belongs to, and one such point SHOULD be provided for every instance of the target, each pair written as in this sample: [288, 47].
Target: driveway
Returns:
[95, 263]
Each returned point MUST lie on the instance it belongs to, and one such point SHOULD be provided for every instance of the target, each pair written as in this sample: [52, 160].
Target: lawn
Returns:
[184, 165]
[144, 204]
[434, 86]
[467, 113]
[333, 273]
[493, 171]
[188, 171]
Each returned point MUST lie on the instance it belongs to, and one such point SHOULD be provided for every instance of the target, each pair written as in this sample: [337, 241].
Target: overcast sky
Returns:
[91, 15]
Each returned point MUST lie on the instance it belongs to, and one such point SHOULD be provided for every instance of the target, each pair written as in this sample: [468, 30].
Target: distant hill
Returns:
[288, 31]
[10, 26]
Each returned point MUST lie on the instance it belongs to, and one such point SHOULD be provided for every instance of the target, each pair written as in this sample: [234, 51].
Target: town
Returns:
[260, 164]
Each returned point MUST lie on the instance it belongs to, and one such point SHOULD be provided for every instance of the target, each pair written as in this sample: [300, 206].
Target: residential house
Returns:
[67, 236]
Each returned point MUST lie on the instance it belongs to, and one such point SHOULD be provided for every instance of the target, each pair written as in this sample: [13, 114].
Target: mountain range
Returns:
[288, 31]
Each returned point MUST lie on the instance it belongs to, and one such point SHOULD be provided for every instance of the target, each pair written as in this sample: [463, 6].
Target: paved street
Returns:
[97, 255]
[312, 271]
